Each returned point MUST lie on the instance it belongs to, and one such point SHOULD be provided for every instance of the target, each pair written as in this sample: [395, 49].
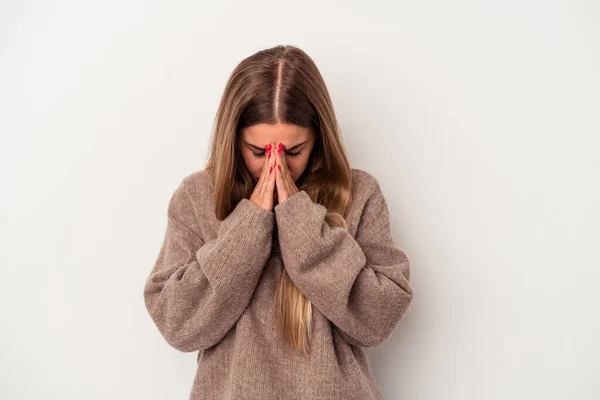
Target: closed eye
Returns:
[260, 155]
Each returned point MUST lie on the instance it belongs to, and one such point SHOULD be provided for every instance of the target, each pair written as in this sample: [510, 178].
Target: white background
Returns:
[479, 119]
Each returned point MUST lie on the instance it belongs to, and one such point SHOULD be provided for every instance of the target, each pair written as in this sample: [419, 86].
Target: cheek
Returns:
[296, 166]
[254, 164]
[257, 167]
[292, 167]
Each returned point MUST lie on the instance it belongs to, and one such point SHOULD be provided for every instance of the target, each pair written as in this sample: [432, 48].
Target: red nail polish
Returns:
[270, 170]
[279, 167]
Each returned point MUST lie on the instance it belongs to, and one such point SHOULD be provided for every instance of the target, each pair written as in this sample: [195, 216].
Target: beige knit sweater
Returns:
[212, 289]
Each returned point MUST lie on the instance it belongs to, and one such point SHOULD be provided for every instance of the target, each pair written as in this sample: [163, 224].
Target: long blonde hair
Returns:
[281, 85]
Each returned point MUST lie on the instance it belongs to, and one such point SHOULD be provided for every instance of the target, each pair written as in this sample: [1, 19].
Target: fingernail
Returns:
[279, 167]
[270, 170]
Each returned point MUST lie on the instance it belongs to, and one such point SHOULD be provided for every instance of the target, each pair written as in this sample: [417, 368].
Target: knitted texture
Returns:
[212, 287]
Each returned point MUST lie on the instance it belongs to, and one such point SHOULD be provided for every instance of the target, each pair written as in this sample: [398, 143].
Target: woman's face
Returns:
[297, 141]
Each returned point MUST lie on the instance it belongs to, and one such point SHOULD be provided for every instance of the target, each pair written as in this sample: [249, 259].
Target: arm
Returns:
[360, 284]
[198, 289]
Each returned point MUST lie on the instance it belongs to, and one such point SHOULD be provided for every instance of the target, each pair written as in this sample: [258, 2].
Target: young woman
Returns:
[278, 265]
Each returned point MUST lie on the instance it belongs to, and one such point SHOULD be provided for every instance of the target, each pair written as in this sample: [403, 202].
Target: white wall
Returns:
[480, 120]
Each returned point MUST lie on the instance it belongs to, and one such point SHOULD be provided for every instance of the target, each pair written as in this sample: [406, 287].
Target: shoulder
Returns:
[196, 180]
[367, 198]
[365, 186]
[193, 192]
[195, 187]
[363, 179]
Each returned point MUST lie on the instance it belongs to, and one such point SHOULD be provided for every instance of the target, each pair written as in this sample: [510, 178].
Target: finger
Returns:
[270, 184]
[280, 178]
[284, 167]
[270, 159]
[285, 172]
[264, 172]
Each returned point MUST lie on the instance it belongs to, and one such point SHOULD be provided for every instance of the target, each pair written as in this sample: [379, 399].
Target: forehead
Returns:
[288, 134]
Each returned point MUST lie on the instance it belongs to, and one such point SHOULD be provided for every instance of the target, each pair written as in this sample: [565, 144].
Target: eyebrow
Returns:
[263, 148]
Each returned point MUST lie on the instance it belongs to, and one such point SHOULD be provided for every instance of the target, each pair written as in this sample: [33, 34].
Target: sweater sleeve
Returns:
[361, 284]
[199, 288]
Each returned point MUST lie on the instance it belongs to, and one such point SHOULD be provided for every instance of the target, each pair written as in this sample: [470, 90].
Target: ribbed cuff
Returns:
[245, 208]
[301, 216]
[244, 240]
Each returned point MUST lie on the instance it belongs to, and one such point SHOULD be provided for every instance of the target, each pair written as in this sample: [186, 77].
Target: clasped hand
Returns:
[275, 184]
